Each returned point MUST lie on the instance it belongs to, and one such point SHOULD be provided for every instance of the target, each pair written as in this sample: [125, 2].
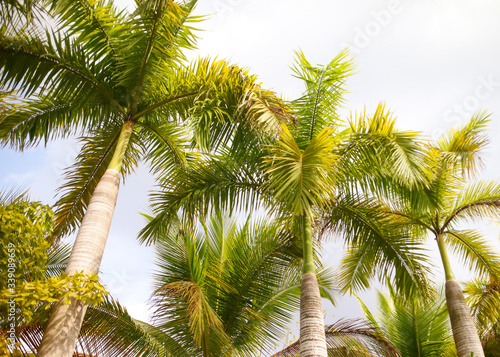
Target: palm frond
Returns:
[475, 202]
[475, 251]
[350, 337]
[483, 299]
[98, 24]
[162, 33]
[56, 65]
[417, 326]
[377, 147]
[461, 147]
[109, 330]
[17, 15]
[13, 196]
[57, 258]
[318, 107]
[379, 246]
[301, 179]
[166, 146]
[241, 276]
[44, 120]
[220, 183]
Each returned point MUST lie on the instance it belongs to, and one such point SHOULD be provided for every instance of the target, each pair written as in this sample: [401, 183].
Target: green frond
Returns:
[367, 313]
[99, 335]
[318, 106]
[228, 286]
[57, 258]
[97, 24]
[220, 183]
[42, 120]
[475, 252]
[265, 110]
[350, 337]
[379, 246]
[483, 299]
[59, 68]
[461, 147]
[166, 146]
[476, 201]
[13, 196]
[301, 179]
[417, 327]
[162, 35]
[377, 147]
[17, 14]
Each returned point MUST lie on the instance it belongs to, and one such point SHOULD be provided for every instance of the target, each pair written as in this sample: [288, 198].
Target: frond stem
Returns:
[160, 104]
[444, 258]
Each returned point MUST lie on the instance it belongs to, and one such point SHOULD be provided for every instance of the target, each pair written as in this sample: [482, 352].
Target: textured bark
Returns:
[312, 328]
[464, 330]
[65, 321]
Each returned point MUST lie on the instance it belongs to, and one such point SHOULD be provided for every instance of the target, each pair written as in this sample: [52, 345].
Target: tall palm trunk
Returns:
[65, 321]
[464, 330]
[312, 327]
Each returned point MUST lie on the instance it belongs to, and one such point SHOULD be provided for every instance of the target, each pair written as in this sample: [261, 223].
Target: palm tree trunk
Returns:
[65, 321]
[312, 326]
[464, 330]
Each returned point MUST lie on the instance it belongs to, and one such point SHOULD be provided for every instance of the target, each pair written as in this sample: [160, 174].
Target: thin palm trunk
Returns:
[312, 328]
[464, 330]
[65, 321]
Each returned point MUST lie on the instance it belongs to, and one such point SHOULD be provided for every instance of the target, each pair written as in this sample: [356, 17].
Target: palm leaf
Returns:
[317, 108]
[461, 147]
[45, 120]
[232, 289]
[300, 179]
[475, 251]
[377, 147]
[483, 298]
[220, 183]
[417, 327]
[350, 337]
[378, 246]
[58, 65]
[476, 201]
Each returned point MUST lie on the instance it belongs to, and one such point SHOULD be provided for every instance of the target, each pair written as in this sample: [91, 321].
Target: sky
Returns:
[432, 62]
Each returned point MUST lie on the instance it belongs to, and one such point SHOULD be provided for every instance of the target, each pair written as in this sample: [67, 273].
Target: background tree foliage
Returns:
[31, 265]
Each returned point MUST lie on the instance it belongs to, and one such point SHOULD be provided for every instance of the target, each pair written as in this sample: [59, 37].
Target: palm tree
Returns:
[120, 81]
[228, 289]
[308, 168]
[417, 326]
[448, 201]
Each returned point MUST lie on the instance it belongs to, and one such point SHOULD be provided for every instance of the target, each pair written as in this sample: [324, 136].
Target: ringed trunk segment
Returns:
[312, 327]
[464, 329]
[65, 321]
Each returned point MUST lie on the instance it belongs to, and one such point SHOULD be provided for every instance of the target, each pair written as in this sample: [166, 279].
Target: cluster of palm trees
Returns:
[219, 145]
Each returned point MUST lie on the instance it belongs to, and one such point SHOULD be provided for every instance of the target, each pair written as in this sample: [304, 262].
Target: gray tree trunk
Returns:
[312, 328]
[464, 329]
[65, 321]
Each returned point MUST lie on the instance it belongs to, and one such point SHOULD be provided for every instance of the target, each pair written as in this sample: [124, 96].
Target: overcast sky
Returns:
[434, 63]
